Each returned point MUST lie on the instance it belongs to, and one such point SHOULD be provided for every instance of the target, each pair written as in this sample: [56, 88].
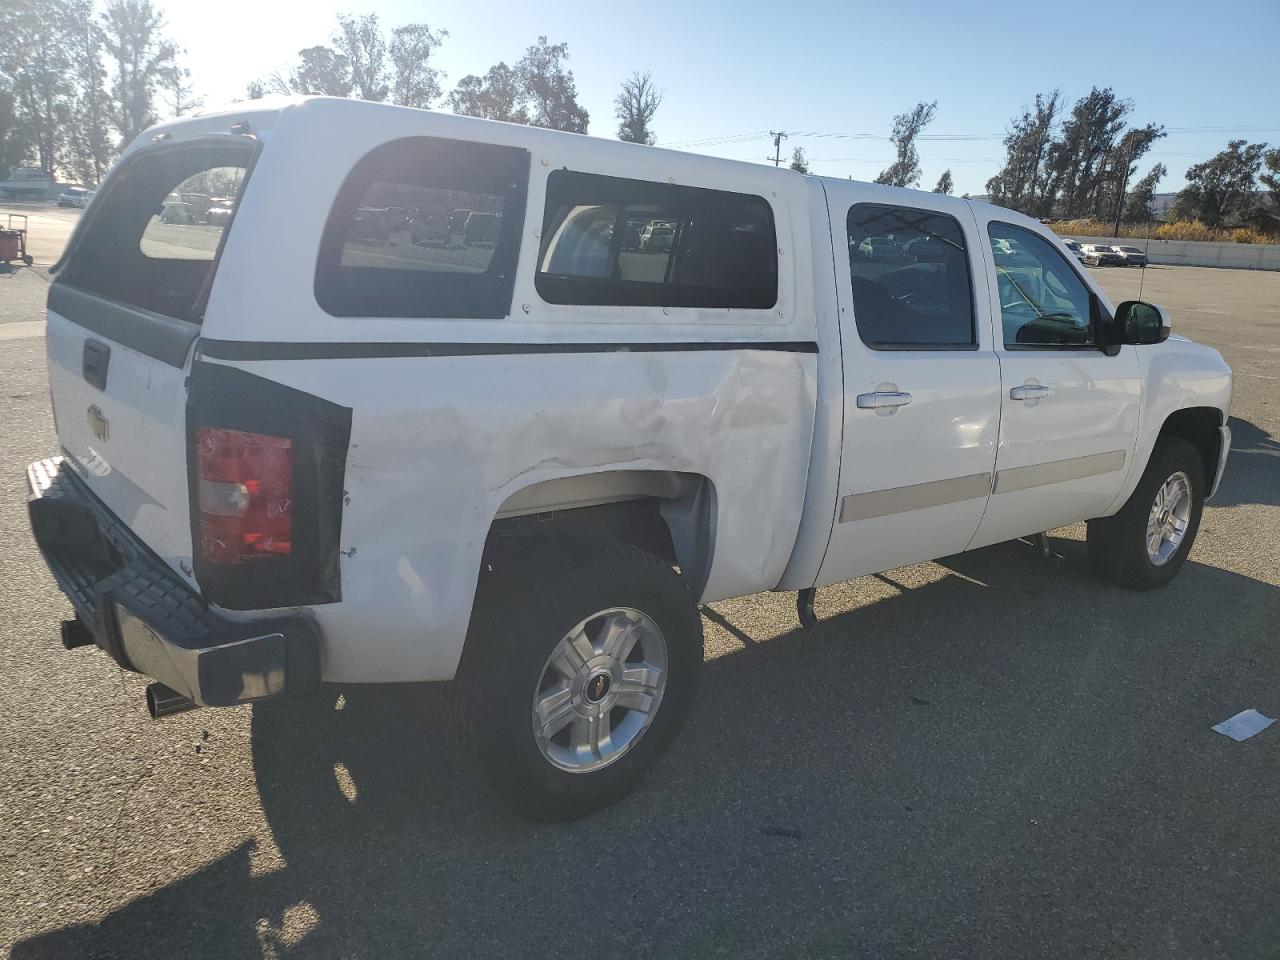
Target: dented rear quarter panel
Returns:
[439, 443]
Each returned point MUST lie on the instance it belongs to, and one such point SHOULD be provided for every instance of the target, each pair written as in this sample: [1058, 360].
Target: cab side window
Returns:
[911, 280]
[1043, 302]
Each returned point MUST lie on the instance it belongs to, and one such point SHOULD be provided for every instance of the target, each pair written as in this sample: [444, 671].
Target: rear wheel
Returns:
[1147, 542]
[579, 670]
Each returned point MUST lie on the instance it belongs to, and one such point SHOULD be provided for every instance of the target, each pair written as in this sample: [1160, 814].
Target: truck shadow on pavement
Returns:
[1253, 469]
[1008, 750]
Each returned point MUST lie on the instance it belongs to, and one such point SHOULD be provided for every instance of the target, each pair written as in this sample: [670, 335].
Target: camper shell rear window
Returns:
[152, 235]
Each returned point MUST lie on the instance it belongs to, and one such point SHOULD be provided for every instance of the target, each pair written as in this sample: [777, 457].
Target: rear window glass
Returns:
[910, 275]
[192, 218]
[425, 227]
[614, 242]
[152, 236]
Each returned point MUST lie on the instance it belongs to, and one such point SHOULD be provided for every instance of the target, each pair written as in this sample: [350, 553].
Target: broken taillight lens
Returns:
[244, 487]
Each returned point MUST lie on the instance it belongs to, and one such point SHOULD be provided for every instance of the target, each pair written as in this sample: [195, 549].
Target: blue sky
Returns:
[830, 73]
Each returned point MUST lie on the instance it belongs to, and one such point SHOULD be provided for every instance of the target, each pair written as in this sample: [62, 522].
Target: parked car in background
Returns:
[657, 236]
[219, 213]
[481, 229]
[1132, 256]
[1074, 246]
[1101, 255]
[78, 197]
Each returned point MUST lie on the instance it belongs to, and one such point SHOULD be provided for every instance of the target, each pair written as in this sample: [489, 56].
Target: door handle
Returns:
[1029, 391]
[881, 399]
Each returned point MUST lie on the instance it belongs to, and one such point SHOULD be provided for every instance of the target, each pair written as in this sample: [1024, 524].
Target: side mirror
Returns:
[1139, 322]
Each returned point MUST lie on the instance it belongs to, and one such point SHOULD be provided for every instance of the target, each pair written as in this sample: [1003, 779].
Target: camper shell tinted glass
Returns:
[132, 248]
[425, 227]
[609, 241]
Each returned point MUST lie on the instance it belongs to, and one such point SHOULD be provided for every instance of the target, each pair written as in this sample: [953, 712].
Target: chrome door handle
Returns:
[880, 399]
[1029, 391]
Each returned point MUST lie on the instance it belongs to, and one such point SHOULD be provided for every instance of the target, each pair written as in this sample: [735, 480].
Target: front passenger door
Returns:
[1068, 411]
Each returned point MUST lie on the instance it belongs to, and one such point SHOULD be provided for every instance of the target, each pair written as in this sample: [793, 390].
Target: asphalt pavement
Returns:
[989, 756]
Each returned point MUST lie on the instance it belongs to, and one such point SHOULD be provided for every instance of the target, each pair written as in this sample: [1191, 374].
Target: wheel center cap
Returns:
[597, 687]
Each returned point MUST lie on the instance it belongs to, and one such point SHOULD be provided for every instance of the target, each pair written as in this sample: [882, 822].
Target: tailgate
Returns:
[123, 315]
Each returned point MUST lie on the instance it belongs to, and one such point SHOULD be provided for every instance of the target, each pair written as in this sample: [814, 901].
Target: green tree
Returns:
[1271, 179]
[145, 62]
[537, 90]
[415, 82]
[945, 183]
[92, 146]
[498, 95]
[35, 56]
[1077, 162]
[799, 160]
[1020, 184]
[1221, 189]
[635, 107]
[549, 88]
[322, 72]
[1138, 206]
[360, 40]
[905, 171]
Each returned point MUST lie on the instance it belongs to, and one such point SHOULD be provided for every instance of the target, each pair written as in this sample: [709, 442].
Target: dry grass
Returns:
[1177, 230]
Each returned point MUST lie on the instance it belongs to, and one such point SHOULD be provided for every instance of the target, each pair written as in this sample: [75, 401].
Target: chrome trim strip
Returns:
[916, 496]
[1058, 471]
[1224, 449]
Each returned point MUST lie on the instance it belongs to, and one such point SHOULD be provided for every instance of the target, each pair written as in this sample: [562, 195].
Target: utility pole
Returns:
[778, 137]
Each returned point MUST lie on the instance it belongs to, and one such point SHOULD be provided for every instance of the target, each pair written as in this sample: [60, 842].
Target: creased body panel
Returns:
[438, 444]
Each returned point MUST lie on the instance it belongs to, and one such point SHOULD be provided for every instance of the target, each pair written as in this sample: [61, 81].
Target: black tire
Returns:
[1118, 544]
[525, 606]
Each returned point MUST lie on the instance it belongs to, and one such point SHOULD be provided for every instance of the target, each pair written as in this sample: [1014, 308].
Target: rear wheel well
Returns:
[670, 515]
[1199, 427]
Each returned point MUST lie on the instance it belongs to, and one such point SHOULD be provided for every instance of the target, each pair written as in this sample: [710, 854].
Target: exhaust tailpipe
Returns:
[163, 702]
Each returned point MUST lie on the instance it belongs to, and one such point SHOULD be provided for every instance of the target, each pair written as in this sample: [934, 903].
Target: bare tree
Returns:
[360, 40]
[180, 97]
[905, 171]
[145, 62]
[945, 183]
[799, 161]
[415, 83]
[635, 107]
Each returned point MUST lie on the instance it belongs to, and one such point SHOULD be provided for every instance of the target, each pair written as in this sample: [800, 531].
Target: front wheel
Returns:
[579, 670]
[1147, 542]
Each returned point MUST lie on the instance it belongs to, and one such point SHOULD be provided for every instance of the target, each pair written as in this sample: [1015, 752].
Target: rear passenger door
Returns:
[922, 381]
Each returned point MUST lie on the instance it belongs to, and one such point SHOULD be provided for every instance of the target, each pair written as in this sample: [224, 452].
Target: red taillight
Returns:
[244, 485]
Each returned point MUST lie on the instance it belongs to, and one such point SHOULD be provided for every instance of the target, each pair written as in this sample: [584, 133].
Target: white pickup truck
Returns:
[344, 437]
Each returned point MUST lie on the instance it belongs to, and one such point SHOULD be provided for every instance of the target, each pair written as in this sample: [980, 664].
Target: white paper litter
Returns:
[1244, 724]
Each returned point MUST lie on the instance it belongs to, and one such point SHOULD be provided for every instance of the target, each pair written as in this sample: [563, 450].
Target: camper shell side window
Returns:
[609, 241]
[425, 227]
